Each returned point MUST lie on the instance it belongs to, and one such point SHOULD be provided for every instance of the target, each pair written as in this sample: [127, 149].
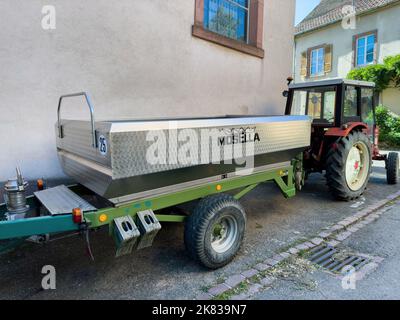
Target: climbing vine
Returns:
[384, 75]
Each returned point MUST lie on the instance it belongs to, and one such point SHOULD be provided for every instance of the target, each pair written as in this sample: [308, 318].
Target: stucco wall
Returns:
[136, 58]
[391, 98]
[385, 21]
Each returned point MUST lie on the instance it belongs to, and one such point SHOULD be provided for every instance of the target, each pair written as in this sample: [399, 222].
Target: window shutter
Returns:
[328, 58]
[304, 64]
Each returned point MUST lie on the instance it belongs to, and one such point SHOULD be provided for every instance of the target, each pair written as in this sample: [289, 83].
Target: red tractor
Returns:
[344, 138]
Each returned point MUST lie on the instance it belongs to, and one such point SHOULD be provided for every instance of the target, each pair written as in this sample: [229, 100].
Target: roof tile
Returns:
[330, 11]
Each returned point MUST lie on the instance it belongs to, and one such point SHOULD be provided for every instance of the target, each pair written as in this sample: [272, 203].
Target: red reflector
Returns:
[77, 215]
[40, 184]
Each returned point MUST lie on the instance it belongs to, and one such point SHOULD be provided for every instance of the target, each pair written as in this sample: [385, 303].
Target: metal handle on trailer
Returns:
[91, 109]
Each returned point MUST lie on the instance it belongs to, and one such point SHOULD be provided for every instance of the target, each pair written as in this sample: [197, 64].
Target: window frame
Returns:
[254, 44]
[356, 40]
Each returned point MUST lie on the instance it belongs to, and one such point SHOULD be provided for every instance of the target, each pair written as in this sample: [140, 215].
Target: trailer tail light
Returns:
[77, 216]
[40, 184]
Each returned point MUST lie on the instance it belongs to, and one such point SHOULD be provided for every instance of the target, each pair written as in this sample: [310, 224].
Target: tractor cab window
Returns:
[314, 105]
[318, 103]
[367, 103]
[367, 109]
[350, 102]
[299, 104]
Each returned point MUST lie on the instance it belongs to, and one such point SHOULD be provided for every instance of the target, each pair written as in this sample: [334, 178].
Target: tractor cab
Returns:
[334, 104]
[344, 138]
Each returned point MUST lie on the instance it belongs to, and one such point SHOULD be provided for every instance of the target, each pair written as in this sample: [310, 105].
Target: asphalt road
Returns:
[164, 271]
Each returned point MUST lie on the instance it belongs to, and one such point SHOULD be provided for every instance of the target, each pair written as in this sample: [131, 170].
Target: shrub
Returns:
[389, 125]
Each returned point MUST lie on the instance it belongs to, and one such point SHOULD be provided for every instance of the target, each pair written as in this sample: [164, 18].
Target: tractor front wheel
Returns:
[348, 166]
[393, 168]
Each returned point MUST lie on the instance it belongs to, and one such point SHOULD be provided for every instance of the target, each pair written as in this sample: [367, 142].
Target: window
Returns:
[299, 104]
[367, 110]
[329, 105]
[318, 103]
[236, 24]
[229, 18]
[315, 105]
[350, 102]
[365, 49]
[367, 100]
[317, 62]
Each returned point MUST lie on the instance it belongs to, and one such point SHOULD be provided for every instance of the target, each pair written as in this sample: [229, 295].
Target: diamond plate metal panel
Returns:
[129, 149]
[61, 200]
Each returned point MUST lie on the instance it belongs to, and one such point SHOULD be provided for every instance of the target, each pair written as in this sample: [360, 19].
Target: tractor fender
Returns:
[345, 130]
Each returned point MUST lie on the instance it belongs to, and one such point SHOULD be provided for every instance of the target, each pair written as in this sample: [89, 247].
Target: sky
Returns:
[304, 7]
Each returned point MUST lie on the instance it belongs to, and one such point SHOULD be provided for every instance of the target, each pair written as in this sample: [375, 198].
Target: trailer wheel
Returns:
[348, 166]
[393, 168]
[215, 231]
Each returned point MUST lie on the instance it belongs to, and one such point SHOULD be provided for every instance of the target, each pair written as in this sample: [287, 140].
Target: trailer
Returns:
[131, 175]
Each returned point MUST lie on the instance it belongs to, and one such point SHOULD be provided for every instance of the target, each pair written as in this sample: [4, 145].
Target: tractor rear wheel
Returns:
[393, 168]
[348, 166]
[215, 230]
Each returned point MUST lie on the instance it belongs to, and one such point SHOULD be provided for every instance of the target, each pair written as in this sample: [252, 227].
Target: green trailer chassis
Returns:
[241, 185]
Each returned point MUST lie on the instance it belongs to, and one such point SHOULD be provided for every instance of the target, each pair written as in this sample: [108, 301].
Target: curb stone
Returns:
[249, 273]
[234, 280]
[218, 289]
[262, 267]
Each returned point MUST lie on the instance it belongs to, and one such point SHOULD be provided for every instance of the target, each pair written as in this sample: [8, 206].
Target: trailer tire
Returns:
[393, 168]
[214, 232]
[349, 165]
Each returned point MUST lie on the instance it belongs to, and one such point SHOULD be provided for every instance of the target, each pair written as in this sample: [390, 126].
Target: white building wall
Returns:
[137, 59]
[391, 98]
